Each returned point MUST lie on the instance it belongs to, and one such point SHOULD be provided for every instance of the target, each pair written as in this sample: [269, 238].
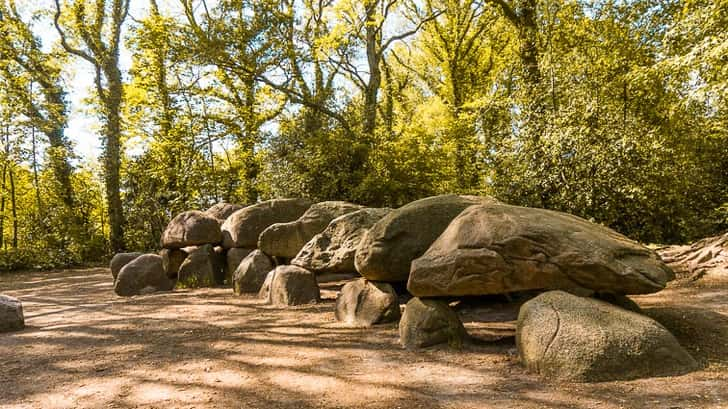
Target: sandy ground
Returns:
[85, 347]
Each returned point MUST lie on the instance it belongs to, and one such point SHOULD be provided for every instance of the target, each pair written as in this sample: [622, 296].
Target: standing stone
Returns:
[496, 248]
[172, 260]
[388, 248]
[566, 337]
[428, 322]
[142, 275]
[233, 258]
[333, 250]
[11, 314]
[291, 285]
[120, 260]
[222, 211]
[191, 228]
[201, 268]
[365, 303]
[286, 239]
[244, 226]
[251, 273]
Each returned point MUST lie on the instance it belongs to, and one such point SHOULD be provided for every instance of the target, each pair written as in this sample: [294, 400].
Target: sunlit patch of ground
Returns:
[86, 347]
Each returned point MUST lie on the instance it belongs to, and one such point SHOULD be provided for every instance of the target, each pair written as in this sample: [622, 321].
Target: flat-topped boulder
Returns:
[120, 260]
[243, 227]
[333, 250]
[389, 246]
[363, 303]
[191, 228]
[222, 211]
[11, 314]
[286, 239]
[497, 248]
[145, 274]
[250, 274]
[566, 337]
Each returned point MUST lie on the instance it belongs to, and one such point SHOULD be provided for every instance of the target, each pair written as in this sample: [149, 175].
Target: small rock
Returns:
[11, 314]
[428, 322]
[365, 303]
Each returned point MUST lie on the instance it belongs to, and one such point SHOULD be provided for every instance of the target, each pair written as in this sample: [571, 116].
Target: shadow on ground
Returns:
[85, 347]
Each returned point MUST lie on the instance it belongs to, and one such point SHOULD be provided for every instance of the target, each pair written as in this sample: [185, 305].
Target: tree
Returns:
[32, 77]
[94, 35]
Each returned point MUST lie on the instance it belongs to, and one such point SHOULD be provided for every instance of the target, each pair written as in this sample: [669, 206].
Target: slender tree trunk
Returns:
[373, 40]
[35, 170]
[2, 204]
[112, 156]
[14, 208]
[58, 154]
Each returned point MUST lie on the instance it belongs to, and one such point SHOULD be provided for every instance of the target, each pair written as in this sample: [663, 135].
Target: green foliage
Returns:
[614, 111]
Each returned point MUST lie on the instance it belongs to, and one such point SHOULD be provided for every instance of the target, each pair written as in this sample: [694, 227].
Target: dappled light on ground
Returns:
[85, 347]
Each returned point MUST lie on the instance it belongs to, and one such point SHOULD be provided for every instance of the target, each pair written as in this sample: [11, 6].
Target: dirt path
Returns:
[85, 347]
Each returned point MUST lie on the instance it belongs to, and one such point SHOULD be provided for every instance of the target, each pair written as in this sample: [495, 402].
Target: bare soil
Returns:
[207, 348]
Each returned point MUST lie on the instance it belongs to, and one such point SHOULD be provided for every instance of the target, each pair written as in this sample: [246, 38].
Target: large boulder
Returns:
[233, 258]
[497, 248]
[566, 337]
[191, 228]
[286, 239]
[172, 260]
[11, 314]
[333, 250]
[222, 211]
[202, 268]
[365, 303]
[244, 226]
[120, 260]
[251, 272]
[144, 274]
[428, 322]
[291, 285]
[388, 248]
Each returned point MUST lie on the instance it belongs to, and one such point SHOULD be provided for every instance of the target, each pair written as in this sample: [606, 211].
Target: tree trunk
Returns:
[2, 205]
[35, 171]
[58, 152]
[14, 208]
[112, 156]
[373, 39]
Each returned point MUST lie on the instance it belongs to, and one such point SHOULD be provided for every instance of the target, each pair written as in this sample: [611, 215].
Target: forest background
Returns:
[613, 110]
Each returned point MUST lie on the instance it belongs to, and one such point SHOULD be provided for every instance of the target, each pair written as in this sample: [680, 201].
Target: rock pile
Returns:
[440, 249]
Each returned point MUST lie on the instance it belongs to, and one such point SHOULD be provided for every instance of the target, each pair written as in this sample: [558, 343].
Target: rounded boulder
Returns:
[333, 250]
[388, 248]
[191, 228]
[365, 303]
[243, 227]
[285, 240]
[571, 338]
[142, 275]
